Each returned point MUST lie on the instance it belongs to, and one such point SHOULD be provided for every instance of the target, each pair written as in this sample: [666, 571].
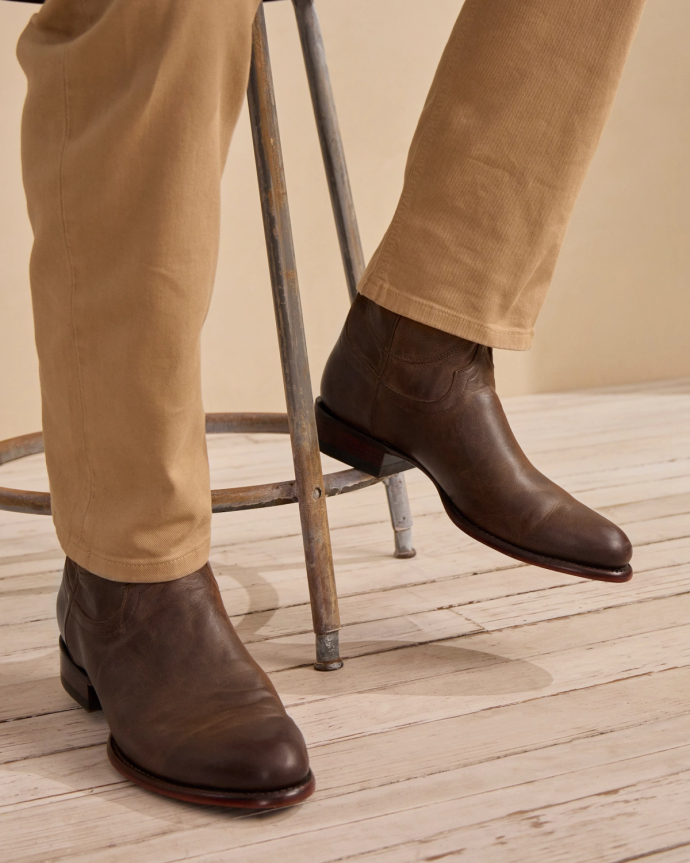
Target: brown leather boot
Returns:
[397, 394]
[191, 714]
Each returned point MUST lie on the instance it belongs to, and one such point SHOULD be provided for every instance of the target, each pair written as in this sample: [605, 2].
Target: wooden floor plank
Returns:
[596, 827]
[464, 803]
[34, 600]
[679, 854]
[436, 680]
[488, 710]
[29, 679]
[548, 775]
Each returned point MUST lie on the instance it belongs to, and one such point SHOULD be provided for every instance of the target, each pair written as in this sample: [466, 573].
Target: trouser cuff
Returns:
[446, 320]
[137, 571]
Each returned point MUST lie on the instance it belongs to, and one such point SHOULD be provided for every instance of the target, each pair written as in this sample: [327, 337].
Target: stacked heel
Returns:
[346, 444]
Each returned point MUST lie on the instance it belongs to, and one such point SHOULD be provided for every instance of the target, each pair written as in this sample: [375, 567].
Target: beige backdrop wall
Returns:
[619, 308]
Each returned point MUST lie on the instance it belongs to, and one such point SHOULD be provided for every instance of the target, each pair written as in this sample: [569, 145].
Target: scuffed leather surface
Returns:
[183, 698]
[431, 395]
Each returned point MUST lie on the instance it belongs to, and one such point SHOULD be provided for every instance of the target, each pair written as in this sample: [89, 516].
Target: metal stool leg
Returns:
[345, 218]
[293, 352]
[401, 517]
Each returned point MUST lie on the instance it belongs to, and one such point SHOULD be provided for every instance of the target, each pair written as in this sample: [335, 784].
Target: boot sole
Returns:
[344, 443]
[76, 683]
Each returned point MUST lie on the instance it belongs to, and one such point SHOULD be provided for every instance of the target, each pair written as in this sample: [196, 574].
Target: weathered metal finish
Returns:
[327, 646]
[223, 499]
[344, 214]
[247, 423]
[331, 143]
[309, 481]
[280, 493]
[401, 517]
[18, 500]
[29, 502]
[19, 447]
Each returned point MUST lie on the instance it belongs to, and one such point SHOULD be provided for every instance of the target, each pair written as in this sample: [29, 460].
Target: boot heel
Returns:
[342, 442]
[76, 683]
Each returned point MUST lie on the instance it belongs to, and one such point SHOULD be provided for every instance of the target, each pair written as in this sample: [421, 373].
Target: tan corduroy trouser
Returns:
[130, 109]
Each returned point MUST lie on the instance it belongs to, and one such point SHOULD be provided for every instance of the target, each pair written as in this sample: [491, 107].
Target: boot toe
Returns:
[267, 755]
[595, 541]
[611, 547]
[575, 533]
[282, 760]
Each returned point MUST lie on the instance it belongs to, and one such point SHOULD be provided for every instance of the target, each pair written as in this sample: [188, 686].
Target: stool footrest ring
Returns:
[222, 499]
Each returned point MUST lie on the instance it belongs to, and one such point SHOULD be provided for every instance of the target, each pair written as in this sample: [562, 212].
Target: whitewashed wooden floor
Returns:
[489, 711]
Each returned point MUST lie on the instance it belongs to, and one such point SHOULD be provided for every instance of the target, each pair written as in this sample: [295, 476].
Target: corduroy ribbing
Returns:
[510, 126]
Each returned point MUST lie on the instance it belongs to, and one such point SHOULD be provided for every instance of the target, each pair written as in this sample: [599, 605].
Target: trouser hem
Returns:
[143, 572]
[446, 320]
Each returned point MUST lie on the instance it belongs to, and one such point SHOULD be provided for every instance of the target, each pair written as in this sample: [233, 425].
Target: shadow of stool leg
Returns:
[293, 352]
[345, 217]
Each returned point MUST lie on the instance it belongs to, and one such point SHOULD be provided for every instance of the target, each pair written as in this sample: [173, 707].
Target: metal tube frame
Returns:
[309, 483]
[345, 217]
[222, 499]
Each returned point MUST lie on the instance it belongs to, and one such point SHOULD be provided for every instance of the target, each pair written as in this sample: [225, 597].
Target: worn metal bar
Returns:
[247, 423]
[281, 493]
[15, 499]
[293, 349]
[222, 499]
[344, 214]
[331, 143]
[401, 517]
[28, 502]
[20, 447]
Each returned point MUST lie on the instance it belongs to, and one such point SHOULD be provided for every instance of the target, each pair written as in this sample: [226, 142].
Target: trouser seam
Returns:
[72, 275]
